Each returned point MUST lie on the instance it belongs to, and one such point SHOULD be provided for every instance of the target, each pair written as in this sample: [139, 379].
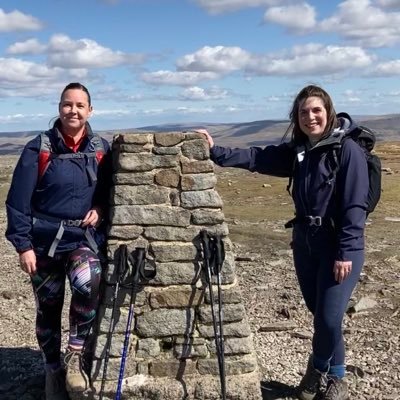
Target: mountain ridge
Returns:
[239, 134]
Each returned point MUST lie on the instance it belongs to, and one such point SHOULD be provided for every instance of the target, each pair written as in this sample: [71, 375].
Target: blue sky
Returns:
[150, 62]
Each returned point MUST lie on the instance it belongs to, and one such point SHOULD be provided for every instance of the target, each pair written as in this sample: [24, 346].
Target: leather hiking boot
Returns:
[55, 385]
[336, 389]
[311, 383]
[77, 380]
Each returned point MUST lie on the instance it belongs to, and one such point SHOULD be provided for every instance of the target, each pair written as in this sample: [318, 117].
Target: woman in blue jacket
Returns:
[55, 208]
[330, 197]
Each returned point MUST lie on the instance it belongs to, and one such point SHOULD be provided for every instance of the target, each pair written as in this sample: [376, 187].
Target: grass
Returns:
[256, 206]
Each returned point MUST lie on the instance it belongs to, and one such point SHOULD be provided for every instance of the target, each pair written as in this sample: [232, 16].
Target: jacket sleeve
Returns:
[18, 203]
[352, 191]
[270, 160]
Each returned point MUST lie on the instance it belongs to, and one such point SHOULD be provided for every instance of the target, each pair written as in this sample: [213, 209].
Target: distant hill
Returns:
[241, 134]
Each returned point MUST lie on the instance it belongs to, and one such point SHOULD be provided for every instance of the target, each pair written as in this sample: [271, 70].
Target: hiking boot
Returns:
[311, 383]
[336, 389]
[77, 380]
[55, 385]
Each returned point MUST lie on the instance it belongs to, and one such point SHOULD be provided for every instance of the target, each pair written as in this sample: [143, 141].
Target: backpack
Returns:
[47, 154]
[366, 139]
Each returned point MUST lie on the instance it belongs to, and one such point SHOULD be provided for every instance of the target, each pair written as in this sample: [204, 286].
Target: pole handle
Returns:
[204, 237]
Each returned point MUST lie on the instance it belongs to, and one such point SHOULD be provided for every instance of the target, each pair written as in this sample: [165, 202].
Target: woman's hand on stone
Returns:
[27, 261]
[342, 270]
[207, 135]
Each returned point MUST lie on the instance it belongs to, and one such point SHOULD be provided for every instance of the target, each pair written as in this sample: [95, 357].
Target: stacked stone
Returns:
[163, 196]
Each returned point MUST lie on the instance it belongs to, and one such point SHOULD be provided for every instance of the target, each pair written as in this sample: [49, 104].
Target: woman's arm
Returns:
[271, 160]
[18, 203]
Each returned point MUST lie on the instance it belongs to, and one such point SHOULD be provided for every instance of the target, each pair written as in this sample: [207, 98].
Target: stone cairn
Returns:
[163, 196]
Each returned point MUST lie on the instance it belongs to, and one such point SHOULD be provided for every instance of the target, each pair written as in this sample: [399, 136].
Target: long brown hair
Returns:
[298, 136]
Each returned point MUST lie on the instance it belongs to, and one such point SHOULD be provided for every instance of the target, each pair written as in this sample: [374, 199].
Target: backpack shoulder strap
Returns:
[45, 153]
[299, 151]
[96, 145]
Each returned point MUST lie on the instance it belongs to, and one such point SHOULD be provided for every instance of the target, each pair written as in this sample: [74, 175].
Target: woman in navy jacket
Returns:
[55, 207]
[330, 196]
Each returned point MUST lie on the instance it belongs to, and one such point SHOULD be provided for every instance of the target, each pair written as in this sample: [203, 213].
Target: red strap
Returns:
[44, 159]
[99, 156]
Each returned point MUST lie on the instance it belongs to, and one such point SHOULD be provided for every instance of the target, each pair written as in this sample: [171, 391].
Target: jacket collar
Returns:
[346, 124]
[58, 140]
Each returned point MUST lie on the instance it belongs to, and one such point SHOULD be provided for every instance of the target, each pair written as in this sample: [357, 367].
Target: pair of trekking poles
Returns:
[139, 273]
[132, 272]
[213, 258]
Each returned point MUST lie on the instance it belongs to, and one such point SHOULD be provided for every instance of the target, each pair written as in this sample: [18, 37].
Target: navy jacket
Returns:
[65, 192]
[342, 200]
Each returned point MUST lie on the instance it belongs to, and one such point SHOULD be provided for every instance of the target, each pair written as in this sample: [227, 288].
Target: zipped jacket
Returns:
[317, 191]
[65, 192]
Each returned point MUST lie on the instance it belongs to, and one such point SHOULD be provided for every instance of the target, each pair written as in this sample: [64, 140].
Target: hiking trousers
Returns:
[314, 256]
[83, 270]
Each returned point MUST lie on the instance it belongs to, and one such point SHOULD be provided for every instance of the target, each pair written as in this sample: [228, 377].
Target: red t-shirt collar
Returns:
[70, 143]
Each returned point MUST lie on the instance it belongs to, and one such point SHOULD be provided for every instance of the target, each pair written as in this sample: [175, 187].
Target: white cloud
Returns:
[17, 118]
[351, 96]
[312, 59]
[28, 79]
[197, 93]
[17, 21]
[212, 63]
[16, 71]
[30, 46]
[108, 113]
[218, 59]
[195, 110]
[221, 6]
[179, 78]
[290, 18]
[389, 3]
[364, 24]
[390, 68]
[86, 53]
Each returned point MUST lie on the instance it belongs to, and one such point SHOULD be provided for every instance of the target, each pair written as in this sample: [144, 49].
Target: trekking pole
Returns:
[205, 240]
[119, 271]
[219, 257]
[141, 272]
[135, 283]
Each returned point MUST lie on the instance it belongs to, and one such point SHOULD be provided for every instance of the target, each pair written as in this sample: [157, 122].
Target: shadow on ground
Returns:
[21, 374]
[273, 390]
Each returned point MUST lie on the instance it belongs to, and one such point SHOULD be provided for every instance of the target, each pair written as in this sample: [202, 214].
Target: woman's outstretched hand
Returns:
[207, 135]
[342, 270]
[27, 261]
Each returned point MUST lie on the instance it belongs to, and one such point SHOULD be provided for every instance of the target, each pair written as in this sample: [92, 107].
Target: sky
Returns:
[148, 62]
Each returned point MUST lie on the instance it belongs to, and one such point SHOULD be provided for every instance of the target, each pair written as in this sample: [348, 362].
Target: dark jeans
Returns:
[83, 269]
[314, 257]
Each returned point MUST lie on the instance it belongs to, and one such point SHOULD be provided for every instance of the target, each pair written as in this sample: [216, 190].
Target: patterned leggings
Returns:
[83, 269]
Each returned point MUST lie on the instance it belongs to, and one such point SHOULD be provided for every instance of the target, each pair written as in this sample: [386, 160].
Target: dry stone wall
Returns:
[163, 196]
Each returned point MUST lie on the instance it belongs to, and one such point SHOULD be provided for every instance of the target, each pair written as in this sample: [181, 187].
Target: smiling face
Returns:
[74, 109]
[312, 117]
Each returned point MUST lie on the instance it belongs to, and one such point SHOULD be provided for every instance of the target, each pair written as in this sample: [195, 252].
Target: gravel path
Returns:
[271, 296]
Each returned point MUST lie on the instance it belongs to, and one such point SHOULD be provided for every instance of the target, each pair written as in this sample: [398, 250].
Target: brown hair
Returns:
[310, 91]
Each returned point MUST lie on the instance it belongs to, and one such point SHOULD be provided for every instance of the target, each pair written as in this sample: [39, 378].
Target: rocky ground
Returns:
[278, 317]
